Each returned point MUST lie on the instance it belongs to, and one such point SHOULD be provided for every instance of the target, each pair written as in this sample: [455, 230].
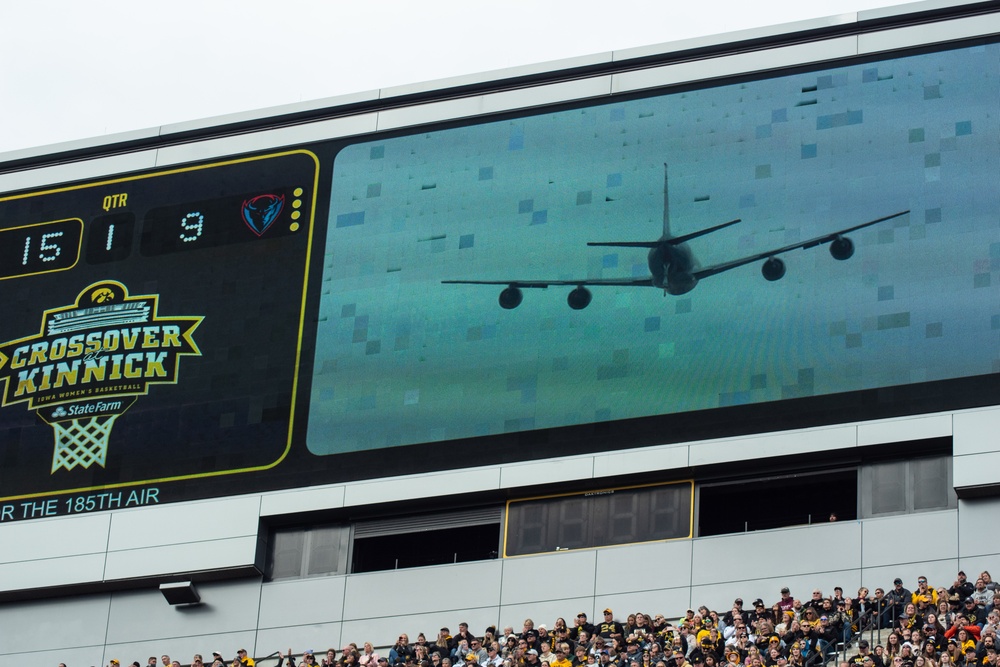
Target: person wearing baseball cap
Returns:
[582, 625]
[610, 628]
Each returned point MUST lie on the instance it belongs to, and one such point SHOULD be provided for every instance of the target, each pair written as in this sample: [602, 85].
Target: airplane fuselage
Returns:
[672, 267]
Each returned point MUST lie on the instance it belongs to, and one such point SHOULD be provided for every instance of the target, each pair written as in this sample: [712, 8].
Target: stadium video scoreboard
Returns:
[331, 313]
[152, 330]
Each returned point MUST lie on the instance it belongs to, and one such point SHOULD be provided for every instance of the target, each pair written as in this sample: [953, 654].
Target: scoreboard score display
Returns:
[152, 326]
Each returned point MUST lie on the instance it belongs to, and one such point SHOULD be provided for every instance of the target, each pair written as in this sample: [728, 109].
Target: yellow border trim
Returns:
[298, 345]
[690, 534]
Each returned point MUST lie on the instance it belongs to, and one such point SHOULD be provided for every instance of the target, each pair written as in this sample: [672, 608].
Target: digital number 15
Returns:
[40, 248]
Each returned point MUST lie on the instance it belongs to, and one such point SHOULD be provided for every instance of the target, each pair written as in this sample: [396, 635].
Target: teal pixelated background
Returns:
[403, 359]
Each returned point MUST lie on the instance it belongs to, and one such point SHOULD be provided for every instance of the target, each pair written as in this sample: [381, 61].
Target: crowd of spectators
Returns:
[894, 627]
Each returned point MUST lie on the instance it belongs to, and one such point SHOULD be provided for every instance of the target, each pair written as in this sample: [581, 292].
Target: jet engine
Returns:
[773, 269]
[579, 298]
[841, 247]
[511, 298]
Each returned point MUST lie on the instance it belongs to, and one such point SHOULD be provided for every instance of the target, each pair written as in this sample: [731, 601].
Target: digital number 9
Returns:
[193, 225]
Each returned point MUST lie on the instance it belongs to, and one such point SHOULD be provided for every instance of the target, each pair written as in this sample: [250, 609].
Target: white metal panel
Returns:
[496, 75]
[180, 523]
[422, 589]
[302, 602]
[54, 538]
[832, 548]
[929, 33]
[546, 472]
[908, 8]
[668, 457]
[452, 482]
[504, 101]
[461, 107]
[900, 430]
[53, 624]
[754, 61]
[79, 144]
[976, 470]
[89, 655]
[578, 89]
[207, 555]
[144, 615]
[773, 444]
[616, 567]
[975, 431]
[976, 529]
[44, 177]
[881, 538]
[722, 39]
[301, 500]
[540, 578]
[266, 140]
[61, 571]
[270, 112]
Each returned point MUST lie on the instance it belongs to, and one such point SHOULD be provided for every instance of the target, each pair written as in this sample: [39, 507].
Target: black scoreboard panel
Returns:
[152, 326]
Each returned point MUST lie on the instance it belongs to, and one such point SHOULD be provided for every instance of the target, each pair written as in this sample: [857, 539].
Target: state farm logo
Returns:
[77, 409]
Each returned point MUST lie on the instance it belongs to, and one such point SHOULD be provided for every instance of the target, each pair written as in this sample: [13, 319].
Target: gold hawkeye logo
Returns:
[89, 363]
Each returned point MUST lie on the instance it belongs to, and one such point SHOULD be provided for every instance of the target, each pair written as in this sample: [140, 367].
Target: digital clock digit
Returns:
[109, 238]
[192, 230]
[40, 248]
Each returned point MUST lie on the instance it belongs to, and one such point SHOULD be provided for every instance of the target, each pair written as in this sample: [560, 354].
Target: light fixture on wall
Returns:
[180, 593]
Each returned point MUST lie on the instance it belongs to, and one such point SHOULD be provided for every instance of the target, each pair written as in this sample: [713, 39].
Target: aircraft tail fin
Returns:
[666, 204]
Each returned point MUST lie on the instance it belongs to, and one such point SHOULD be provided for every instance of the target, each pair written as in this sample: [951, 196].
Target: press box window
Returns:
[396, 543]
[598, 519]
[308, 551]
[777, 501]
[903, 487]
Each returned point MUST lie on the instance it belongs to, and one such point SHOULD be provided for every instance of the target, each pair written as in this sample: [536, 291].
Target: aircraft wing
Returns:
[542, 284]
[811, 243]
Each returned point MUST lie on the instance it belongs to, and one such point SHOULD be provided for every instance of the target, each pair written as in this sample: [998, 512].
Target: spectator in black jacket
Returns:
[400, 650]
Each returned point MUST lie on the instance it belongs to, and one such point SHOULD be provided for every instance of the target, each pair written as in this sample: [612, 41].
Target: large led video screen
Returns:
[776, 251]
[577, 266]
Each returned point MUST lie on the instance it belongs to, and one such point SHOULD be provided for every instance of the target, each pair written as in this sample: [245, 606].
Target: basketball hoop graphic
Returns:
[90, 363]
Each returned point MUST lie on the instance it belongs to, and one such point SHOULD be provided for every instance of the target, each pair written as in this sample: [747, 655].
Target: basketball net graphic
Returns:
[90, 363]
[81, 442]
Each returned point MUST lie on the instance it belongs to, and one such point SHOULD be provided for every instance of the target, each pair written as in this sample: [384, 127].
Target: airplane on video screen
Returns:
[672, 266]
